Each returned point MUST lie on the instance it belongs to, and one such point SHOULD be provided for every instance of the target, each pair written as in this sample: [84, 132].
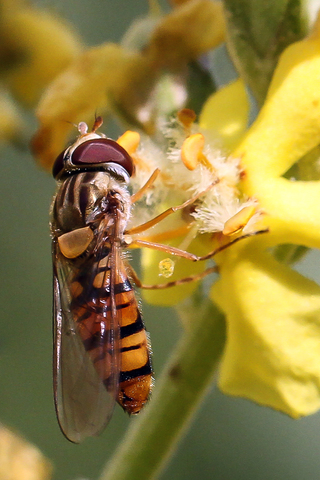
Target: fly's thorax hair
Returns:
[119, 192]
[83, 198]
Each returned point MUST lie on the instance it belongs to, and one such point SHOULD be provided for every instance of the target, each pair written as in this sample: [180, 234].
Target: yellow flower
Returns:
[272, 353]
[10, 122]
[36, 46]
[126, 80]
[20, 459]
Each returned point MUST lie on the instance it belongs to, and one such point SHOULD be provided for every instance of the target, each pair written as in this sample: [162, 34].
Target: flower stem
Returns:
[186, 378]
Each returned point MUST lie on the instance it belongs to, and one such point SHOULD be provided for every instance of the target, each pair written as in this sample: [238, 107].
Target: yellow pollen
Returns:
[166, 267]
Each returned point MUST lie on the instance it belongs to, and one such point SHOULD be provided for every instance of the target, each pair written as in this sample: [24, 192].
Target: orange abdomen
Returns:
[88, 308]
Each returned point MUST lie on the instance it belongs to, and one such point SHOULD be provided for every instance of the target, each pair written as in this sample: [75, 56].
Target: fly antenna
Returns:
[97, 123]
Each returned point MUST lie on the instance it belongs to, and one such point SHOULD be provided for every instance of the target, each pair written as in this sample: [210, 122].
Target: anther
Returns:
[191, 150]
[186, 117]
[238, 221]
[129, 141]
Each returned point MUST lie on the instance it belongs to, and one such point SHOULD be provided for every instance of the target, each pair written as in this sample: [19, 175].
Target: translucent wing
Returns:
[86, 342]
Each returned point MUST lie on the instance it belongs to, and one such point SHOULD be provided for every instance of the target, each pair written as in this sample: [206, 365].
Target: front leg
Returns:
[154, 221]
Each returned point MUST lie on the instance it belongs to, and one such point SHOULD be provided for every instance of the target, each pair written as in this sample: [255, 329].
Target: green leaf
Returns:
[307, 168]
[289, 254]
[258, 31]
[200, 85]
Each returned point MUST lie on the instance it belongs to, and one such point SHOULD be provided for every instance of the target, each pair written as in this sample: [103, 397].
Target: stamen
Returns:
[191, 150]
[239, 220]
[186, 117]
[129, 141]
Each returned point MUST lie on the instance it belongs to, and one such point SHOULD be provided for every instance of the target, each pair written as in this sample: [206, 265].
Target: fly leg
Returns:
[139, 243]
[136, 196]
[174, 283]
[191, 256]
[154, 221]
[183, 254]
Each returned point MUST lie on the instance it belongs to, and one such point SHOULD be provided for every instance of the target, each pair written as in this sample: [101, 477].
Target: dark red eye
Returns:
[96, 151]
[102, 150]
[58, 165]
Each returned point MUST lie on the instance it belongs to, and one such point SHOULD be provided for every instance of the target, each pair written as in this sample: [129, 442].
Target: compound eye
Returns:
[102, 150]
[58, 164]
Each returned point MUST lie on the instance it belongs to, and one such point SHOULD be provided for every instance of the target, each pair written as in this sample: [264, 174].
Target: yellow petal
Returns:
[43, 46]
[288, 125]
[21, 460]
[226, 113]
[97, 80]
[11, 125]
[186, 33]
[272, 354]
[292, 210]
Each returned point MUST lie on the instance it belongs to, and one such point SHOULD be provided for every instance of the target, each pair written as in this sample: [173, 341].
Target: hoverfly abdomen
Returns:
[135, 375]
[136, 369]
[101, 350]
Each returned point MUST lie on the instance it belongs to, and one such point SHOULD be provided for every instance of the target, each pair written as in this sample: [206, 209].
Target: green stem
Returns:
[152, 437]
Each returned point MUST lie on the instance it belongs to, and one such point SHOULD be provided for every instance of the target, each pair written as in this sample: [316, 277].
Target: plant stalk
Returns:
[189, 373]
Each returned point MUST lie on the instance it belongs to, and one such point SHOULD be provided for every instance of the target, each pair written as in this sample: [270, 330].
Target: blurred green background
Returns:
[228, 439]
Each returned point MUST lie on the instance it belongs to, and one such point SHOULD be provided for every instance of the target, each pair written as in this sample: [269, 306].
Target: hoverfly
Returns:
[101, 349]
